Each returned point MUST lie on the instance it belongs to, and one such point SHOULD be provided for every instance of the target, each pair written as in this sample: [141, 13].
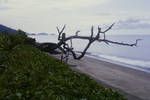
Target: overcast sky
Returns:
[130, 16]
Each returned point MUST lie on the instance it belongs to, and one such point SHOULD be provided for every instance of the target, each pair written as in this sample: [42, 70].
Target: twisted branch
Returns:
[90, 38]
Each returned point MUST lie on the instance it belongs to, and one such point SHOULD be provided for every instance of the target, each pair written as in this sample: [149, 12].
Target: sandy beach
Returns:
[133, 84]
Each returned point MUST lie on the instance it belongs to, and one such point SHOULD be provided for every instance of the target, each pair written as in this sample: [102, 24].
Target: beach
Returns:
[132, 83]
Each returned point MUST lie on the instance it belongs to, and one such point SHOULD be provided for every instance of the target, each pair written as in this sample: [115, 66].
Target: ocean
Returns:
[133, 57]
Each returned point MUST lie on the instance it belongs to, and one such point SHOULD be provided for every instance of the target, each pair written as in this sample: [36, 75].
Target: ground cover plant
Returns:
[26, 73]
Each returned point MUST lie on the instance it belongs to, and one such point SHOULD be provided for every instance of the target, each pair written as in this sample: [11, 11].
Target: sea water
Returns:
[134, 57]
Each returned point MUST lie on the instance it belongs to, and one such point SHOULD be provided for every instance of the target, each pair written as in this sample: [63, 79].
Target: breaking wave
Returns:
[131, 63]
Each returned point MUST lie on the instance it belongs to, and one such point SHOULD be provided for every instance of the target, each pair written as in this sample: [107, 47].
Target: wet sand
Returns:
[134, 84]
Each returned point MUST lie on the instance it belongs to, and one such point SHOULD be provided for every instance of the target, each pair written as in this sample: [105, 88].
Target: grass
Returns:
[30, 74]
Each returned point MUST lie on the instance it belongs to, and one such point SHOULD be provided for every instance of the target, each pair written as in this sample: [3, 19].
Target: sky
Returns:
[129, 16]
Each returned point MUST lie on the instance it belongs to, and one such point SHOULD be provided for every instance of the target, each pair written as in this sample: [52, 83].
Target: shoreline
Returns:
[133, 84]
[123, 64]
[119, 63]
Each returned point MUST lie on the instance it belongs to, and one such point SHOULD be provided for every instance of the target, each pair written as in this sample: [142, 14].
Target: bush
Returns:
[29, 74]
[5, 42]
[9, 41]
[33, 75]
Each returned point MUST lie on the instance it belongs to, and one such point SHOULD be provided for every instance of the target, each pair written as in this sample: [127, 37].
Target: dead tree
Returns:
[100, 37]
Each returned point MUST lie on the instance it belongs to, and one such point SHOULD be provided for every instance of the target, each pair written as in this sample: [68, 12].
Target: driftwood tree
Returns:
[100, 37]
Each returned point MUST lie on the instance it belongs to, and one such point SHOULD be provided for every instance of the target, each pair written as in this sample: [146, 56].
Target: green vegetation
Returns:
[27, 73]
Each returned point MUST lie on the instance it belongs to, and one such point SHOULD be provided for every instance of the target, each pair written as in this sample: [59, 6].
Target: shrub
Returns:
[5, 42]
[33, 75]
[30, 74]
[9, 41]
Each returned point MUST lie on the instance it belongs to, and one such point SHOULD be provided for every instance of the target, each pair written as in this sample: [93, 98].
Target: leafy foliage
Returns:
[9, 41]
[30, 74]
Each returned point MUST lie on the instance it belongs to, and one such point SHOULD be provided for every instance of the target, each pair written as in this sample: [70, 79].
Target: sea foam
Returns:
[127, 62]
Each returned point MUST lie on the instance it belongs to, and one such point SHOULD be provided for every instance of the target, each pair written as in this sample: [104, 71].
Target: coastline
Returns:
[132, 83]
[123, 64]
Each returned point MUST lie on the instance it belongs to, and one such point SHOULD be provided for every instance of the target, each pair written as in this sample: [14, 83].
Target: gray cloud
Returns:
[4, 8]
[3, 5]
[133, 24]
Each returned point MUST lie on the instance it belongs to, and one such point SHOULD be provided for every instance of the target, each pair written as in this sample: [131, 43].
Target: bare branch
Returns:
[108, 28]
[77, 33]
[91, 38]
[71, 43]
[119, 43]
[63, 29]
[92, 31]
[60, 32]
[99, 30]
